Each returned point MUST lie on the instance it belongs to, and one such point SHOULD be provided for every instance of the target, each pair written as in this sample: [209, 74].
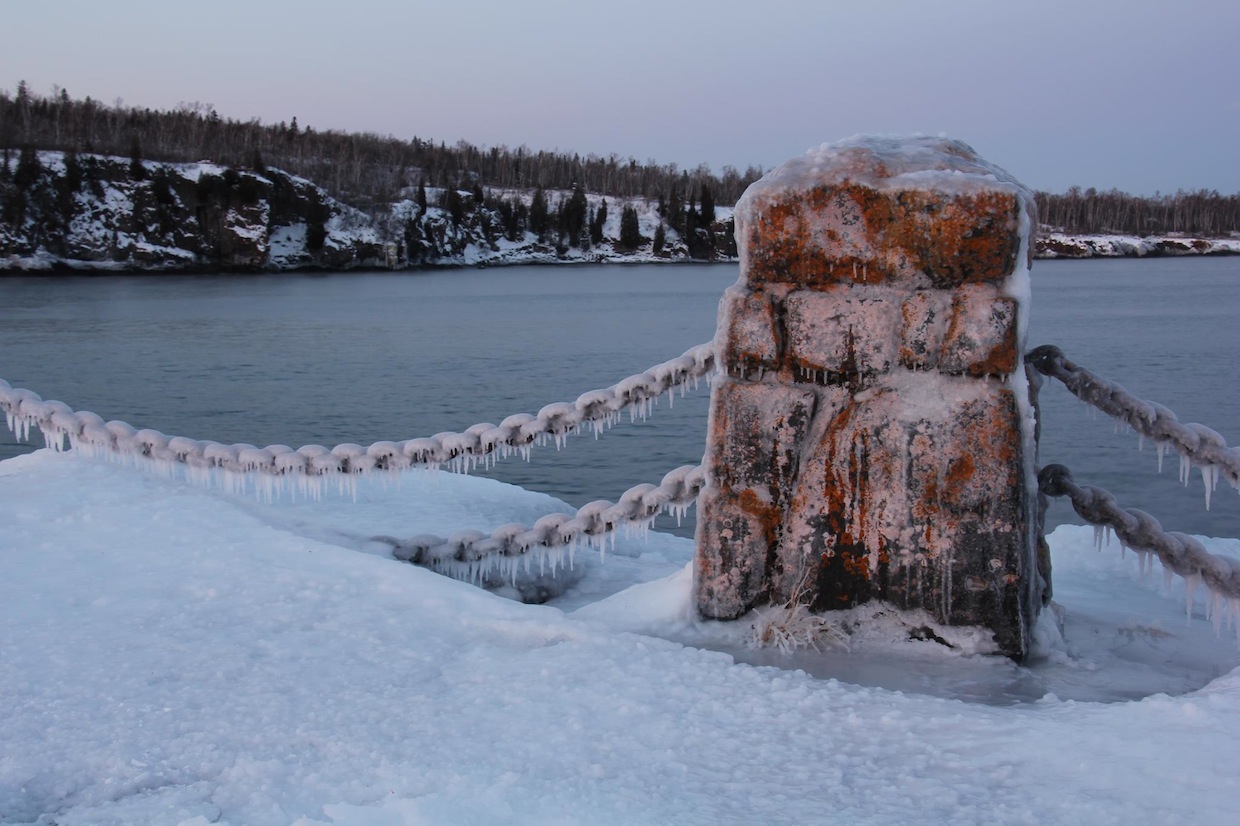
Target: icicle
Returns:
[1234, 604]
[1161, 449]
[1209, 477]
[1186, 469]
[1190, 588]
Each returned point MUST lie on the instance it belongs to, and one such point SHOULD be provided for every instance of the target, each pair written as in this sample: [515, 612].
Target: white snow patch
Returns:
[176, 655]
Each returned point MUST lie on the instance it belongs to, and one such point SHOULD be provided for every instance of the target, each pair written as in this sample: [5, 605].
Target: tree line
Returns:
[363, 169]
[1204, 213]
[370, 171]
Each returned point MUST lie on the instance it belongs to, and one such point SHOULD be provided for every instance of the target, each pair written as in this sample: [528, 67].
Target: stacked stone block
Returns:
[871, 434]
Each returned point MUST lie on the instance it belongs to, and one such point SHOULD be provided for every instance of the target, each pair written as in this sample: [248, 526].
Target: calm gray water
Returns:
[338, 358]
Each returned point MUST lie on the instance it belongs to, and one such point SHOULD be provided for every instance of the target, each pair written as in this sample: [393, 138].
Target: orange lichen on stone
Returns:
[959, 471]
[981, 337]
[956, 240]
[748, 322]
[855, 564]
[860, 235]
[866, 441]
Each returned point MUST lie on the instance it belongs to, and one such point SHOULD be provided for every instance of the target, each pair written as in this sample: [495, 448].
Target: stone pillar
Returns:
[871, 433]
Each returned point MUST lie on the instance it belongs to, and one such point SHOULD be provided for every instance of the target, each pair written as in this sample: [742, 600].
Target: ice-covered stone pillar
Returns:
[871, 433]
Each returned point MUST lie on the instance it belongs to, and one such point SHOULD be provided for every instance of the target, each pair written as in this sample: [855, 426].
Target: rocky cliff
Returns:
[84, 212]
[90, 212]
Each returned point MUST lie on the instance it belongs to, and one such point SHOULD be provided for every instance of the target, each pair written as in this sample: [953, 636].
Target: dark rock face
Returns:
[160, 217]
[63, 211]
[873, 437]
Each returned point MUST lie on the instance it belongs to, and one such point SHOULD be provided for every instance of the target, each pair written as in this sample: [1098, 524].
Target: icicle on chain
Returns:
[472, 554]
[88, 433]
[1197, 444]
[1180, 553]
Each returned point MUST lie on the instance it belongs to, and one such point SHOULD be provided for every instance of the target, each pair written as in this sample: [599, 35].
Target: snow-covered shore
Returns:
[177, 655]
[153, 217]
[1064, 245]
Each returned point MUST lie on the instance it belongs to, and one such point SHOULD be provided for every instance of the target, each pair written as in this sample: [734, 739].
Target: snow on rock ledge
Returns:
[872, 437]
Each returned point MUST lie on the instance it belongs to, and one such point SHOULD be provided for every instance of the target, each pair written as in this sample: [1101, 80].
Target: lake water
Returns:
[325, 359]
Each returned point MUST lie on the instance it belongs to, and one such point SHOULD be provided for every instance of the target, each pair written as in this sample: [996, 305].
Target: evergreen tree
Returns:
[136, 169]
[455, 205]
[24, 180]
[521, 218]
[596, 225]
[22, 103]
[708, 206]
[421, 199]
[538, 214]
[630, 231]
[69, 185]
[73, 171]
[573, 213]
[660, 238]
[28, 168]
[675, 209]
[510, 213]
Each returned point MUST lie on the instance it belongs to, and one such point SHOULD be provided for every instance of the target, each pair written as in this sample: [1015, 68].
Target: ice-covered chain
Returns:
[88, 433]
[1197, 444]
[1180, 554]
[472, 554]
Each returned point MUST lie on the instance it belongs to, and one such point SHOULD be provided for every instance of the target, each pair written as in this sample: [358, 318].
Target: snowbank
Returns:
[176, 655]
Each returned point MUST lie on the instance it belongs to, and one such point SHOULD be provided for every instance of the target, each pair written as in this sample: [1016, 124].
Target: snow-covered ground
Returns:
[175, 655]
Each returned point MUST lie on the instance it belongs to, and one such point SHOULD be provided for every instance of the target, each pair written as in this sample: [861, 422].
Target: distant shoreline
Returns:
[1048, 247]
[1057, 245]
[96, 215]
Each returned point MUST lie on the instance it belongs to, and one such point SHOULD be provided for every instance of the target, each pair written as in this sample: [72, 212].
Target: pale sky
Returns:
[1136, 95]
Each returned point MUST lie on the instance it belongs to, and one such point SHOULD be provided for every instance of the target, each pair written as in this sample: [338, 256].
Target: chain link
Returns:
[1180, 553]
[1197, 444]
[89, 434]
[471, 555]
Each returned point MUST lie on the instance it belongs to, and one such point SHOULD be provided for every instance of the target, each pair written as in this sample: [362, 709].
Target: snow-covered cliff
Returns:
[61, 212]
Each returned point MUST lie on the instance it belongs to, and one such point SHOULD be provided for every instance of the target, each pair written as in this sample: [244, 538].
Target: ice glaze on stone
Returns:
[872, 436]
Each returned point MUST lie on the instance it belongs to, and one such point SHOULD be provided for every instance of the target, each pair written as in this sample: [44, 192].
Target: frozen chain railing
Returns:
[1180, 553]
[472, 555]
[1197, 445]
[308, 467]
